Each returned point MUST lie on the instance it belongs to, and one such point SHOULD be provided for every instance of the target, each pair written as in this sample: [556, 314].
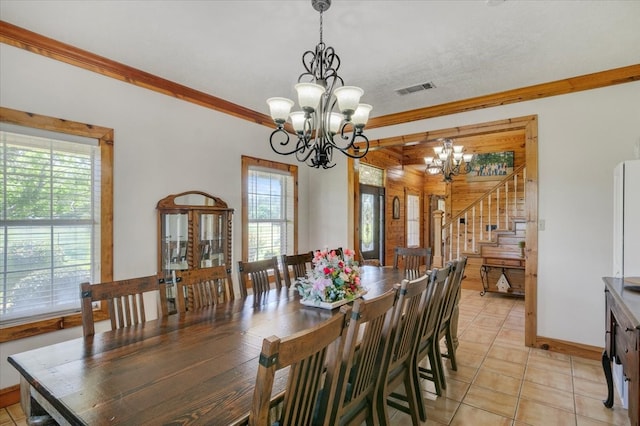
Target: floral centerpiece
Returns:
[332, 281]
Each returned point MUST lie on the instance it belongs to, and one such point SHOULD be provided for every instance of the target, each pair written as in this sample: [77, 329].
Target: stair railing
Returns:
[492, 211]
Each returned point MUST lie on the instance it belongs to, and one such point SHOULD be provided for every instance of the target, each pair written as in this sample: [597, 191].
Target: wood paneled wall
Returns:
[404, 171]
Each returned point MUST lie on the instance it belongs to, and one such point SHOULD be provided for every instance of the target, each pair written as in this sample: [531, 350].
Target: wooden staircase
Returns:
[491, 227]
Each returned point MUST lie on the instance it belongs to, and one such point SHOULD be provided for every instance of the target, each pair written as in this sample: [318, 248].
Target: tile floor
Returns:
[500, 381]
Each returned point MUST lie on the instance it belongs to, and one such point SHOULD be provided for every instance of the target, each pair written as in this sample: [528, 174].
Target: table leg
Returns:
[606, 366]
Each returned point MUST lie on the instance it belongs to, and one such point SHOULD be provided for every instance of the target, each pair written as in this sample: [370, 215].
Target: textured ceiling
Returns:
[246, 51]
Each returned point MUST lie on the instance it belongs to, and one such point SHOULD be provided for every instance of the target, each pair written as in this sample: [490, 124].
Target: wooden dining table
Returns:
[197, 367]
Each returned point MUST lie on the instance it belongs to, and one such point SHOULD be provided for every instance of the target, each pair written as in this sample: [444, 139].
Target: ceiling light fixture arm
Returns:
[331, 116]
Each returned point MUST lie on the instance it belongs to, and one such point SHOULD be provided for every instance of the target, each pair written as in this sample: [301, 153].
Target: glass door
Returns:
[372, 222]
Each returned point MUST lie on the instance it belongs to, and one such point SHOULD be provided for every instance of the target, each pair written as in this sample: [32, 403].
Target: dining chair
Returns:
[428, 340]
[299, 263]
[203, 287]
[397, 366]
[313, 359]
[416, 261]
[445, 330]
[124, 298]
[366, 341]
[256, 275]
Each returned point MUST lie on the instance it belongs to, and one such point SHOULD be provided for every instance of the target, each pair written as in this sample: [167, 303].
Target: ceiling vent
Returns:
[415, 88]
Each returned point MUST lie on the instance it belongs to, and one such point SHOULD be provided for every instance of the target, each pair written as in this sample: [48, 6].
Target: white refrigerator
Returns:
[626, 239]
[626, 219]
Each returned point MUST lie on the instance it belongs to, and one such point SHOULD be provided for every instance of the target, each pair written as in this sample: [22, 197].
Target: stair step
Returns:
[488, 251]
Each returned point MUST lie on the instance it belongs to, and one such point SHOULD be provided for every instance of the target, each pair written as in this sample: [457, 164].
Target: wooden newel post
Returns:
[437, 243]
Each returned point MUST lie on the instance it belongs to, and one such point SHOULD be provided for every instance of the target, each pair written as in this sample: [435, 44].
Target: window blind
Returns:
[50, 221]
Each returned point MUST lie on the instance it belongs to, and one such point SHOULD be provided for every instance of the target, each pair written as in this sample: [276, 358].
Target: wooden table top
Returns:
[195, 368]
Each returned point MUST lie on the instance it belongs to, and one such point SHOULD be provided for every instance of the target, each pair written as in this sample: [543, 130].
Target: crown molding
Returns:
[24, 39]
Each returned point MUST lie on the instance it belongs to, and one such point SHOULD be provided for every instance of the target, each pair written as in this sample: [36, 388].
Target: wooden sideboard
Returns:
[622, 342]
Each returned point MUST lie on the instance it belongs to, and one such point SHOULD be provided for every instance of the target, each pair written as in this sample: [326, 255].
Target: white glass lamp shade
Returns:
[348, 99]
[334, 122]
[428, 160]
[279, 109]
[458, 149]
[438, 150]
[467, 158]
[457, 156]
[443, 156]
[297, 120]
[309, 95]
[361, 116]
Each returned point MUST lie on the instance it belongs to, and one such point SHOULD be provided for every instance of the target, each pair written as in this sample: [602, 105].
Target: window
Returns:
[53, 195]
[413, 220]
[269, 209]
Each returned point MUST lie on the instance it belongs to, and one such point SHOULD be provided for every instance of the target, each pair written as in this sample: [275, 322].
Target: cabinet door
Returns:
[212, 239]
[175, 241]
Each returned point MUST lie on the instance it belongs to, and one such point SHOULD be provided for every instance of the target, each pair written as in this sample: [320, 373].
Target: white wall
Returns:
[581, 137]
[165, 146]
[162, 146]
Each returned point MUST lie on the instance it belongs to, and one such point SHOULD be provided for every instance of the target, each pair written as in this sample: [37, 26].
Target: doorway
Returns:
[371, 222]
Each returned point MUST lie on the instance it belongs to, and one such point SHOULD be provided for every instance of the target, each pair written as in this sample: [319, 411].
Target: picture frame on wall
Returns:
[396, 207]
[490, 166]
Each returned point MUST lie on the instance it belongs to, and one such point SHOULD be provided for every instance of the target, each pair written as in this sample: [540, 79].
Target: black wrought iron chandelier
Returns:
[318, 127]
[450, 160]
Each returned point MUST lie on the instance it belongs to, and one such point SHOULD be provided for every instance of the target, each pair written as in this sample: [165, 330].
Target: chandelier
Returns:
[319, 129]
[449, 160]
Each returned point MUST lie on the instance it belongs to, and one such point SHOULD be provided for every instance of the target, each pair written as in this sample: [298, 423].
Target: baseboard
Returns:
[569, 348]
[9, 396]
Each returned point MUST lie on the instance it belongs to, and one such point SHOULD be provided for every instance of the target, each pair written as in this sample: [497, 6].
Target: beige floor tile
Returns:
[497, 382]
[464, 373]
[456, 390]
[510, 337]
[16, 413]
[594, 409]
[489, 400]
[507, 368]
[548, 396]
[514, 323]
[585, 369]
[536, 414]
[479, 348]
[550, 364]
[5, 418]
[441, 409]
[549, 378]
[586, 421]
[477, 334]
[589, 388]
[468, 415]
[470, 359]
[489, 321]
[541, 353]
[509, 353]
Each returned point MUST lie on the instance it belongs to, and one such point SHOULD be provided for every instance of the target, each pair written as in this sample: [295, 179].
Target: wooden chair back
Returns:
[445, 328]
[416, 261]
[257, 275]
[398, 365]
[204, 287]
[125, 305]
[313, 358]
[366, 342]
[299, 264]
[438, 290]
